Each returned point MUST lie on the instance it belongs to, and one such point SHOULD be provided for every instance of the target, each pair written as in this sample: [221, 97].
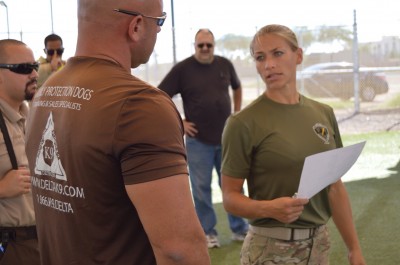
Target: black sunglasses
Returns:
[52, 51]
[21, 68]
[201, 45]
[159, 20]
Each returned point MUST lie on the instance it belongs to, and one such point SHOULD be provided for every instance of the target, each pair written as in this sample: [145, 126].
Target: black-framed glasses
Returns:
[159, 20]
[201, 45]
[52, 51]
[21, 68]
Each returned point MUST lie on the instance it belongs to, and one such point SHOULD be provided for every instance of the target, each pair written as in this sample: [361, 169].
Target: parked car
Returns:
[336, 79]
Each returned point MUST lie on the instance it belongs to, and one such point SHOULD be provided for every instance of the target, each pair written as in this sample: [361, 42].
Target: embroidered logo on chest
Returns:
[322, 132]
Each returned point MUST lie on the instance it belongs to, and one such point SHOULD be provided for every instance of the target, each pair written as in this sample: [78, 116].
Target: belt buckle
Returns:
[302, 234]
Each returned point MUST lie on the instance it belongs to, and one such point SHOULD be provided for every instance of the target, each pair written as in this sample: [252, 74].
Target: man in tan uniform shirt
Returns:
[18, 78]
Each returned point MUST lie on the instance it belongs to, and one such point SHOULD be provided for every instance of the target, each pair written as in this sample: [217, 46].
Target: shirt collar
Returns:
[11, 114]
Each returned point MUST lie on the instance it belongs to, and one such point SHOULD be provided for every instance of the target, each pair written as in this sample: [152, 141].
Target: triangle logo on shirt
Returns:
[47, 159]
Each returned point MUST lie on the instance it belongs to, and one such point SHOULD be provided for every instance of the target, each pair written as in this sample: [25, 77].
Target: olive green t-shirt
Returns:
[266, 144]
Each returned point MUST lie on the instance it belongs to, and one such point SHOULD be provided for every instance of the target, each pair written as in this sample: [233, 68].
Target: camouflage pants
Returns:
[262, 250]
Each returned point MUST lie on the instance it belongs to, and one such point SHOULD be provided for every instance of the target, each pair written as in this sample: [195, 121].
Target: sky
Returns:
[32, 21]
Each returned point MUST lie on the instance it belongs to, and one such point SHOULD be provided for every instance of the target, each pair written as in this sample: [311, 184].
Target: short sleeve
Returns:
[171, 84]
[235, 81]
[335, 126]
[149, 139]
[236, 149]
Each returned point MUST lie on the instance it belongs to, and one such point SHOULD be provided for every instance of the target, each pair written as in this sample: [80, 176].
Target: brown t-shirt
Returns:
[93, 129]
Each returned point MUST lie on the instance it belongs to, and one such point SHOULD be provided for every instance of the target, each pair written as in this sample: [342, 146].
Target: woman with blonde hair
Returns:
[266, 144]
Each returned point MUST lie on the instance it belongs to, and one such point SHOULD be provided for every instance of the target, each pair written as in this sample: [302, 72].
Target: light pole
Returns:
[8, 25]
[51, 13]
[173, 32]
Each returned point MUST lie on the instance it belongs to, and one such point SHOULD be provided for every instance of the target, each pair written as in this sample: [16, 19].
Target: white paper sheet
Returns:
[325, 168]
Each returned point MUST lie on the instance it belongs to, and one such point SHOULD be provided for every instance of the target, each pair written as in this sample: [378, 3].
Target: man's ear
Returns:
[135, 28]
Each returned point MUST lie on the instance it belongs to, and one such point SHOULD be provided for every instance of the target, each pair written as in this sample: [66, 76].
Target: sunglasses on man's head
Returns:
[201, 45]
[159, 20]
[52, 51]
[21, 68]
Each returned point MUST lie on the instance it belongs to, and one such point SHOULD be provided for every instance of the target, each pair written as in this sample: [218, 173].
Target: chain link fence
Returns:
[372, 83]
[332, 76]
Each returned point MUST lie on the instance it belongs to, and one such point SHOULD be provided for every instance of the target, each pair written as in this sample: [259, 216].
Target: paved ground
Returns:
[370, 118]
[369, 121]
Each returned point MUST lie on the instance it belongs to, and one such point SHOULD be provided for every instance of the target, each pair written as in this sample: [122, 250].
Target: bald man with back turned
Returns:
[106, 150]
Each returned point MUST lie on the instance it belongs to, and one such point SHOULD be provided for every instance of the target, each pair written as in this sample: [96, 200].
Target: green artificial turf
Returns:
[373, 185]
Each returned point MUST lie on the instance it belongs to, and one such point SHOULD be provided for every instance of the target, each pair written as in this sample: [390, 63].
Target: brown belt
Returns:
[285, 233]
[8, 234]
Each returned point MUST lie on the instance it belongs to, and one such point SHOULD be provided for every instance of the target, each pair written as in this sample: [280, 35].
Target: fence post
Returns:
[356, 67]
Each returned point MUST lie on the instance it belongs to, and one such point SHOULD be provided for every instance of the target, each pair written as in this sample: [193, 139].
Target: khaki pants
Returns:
[24, 252]
[263, 250]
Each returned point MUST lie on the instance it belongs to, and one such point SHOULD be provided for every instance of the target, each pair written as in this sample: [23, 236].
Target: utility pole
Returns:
[356, 67]
[8, 25]
[173, 32]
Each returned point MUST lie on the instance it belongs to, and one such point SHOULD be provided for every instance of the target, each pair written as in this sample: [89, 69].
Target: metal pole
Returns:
[8, 25]
[51, 13]
[302, 63]
[173, 32]
[356, 67]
